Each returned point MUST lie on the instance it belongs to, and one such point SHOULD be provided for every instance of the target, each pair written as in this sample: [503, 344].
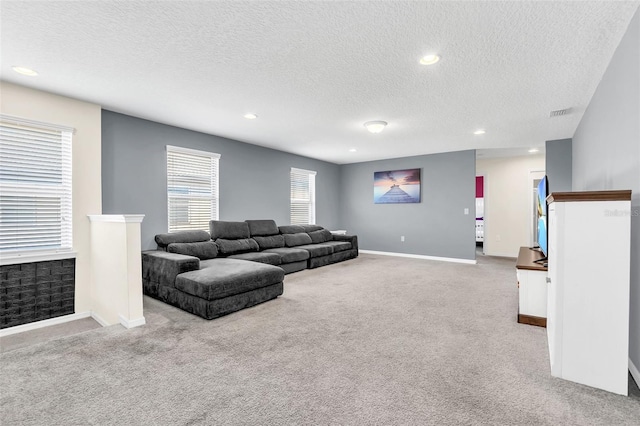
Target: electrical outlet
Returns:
[466, 211]
[402, 238]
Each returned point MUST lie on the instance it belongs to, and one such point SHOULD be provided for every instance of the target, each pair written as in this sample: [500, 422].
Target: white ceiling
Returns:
[314, 72]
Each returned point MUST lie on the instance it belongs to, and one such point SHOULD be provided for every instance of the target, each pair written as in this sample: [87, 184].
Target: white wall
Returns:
[87, 187]
[606, 153]
[507, 202]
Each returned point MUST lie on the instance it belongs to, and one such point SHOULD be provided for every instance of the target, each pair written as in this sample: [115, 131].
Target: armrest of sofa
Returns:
[353, 239]
[163, 267]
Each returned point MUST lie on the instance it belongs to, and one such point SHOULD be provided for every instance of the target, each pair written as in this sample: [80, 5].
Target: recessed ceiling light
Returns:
[250, 116]
[352, 150]
[479, 132]
[375, 126]
[533, 150]
[429, 59]
[25, 71]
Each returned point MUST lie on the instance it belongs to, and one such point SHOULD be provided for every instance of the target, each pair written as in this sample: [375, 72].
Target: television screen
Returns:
[543, 189]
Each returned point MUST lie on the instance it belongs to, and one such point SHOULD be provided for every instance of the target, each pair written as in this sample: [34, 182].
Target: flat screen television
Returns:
[543, 231]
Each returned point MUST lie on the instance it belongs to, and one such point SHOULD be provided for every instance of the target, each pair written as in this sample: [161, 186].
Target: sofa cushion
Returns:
[272, 241]
[162, 267]
[228, 230]
[262, 228]
[317, 250]
[351, 239]
[237, 246]
[262, 257]
[311, 228]
[202, 250]
[289, 255]
[163, 240]
[226, 277]
[338, 246]
[320, 236]
[208, 263]
[291, 229]
[292, 240]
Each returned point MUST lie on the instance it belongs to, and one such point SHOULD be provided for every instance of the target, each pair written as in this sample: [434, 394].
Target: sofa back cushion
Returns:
[272, 241]
[299, 239]
[311, 228]
[163, 240]
[262, 228]
[202, 250]
[228, 230]
[320, 236]
[241, 245]
[291, 229]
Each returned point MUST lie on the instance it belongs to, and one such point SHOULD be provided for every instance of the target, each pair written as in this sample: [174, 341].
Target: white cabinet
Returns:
[588, 289]
[532, 288]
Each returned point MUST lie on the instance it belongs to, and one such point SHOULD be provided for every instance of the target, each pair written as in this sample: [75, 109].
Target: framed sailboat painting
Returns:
[396, 186]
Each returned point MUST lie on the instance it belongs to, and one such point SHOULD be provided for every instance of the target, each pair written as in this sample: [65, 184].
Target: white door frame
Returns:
[533, 175]
[484, 213]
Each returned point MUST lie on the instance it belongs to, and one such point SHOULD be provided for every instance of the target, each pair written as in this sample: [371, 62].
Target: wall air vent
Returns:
[559, 112]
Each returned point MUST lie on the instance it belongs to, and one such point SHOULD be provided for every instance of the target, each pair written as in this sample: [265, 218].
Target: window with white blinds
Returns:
[303, 197]
[35, 186]
[192, 188]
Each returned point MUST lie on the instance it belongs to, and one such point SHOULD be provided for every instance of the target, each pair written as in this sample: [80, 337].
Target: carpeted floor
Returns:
[376, 340]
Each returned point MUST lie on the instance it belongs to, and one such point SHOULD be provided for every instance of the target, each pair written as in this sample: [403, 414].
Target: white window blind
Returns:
[303, 197]
[35, 186]
[192, 188]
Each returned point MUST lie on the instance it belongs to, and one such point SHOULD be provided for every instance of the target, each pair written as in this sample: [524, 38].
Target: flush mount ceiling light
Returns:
[25, 71]
[429, 59]
[352, 150]
[533, 150]
[479, 132]
[250, 116]
[375, 126]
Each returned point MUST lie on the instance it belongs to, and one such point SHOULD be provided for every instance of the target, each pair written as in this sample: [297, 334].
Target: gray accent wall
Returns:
[606, 151]
[558, 166]
[437, 226]
[254, 181]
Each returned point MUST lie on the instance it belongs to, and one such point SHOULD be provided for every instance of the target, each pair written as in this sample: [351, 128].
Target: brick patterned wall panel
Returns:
[36, 291]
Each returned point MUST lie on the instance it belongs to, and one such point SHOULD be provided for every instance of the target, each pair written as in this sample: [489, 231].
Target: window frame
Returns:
[311, 175]
[36, 186]
[215, 185]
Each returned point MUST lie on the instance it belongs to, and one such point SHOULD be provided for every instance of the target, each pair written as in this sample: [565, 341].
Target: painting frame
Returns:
[403, 186]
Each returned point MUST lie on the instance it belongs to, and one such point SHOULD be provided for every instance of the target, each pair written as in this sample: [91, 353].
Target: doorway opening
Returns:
[535, 176]
[479, 215]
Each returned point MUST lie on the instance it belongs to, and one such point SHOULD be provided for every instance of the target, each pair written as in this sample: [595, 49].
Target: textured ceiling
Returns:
[314, 72]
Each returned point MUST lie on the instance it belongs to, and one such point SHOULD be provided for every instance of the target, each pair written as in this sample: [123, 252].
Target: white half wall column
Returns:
[116, 269]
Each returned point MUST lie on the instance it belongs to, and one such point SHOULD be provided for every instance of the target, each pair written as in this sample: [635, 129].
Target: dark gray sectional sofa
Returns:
[237, 264]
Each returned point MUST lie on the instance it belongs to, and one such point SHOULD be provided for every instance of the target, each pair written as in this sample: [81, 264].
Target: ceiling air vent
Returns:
[559, 112]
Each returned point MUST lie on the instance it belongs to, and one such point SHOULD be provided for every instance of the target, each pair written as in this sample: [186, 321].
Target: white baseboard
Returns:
[635, 373]
[420, 256]
[66, 318]
[99, 319]
[44, 323]
[492, 254]
[132, 323]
